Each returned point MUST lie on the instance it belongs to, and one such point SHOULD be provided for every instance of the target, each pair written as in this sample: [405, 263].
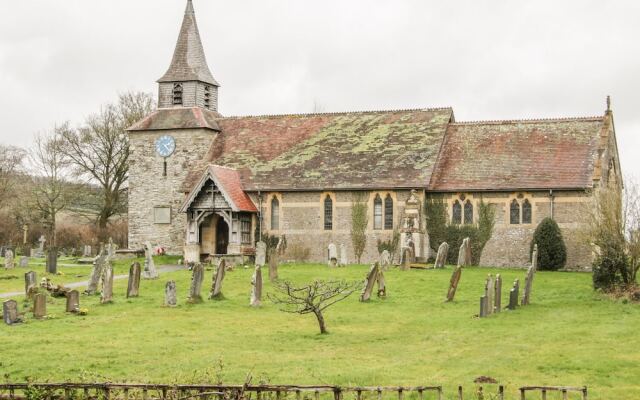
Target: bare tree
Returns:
[11, 159]
[51, 192]
[313, 298]
[99, 151]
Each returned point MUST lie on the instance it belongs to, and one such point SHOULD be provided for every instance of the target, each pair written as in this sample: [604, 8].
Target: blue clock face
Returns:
[165, 145]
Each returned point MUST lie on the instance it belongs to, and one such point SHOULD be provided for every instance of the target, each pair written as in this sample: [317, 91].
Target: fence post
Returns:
[439, 392]
[544, 394]
[460, 393]
[501, 392]
[565, 396]
[522, 395]
[584, 393]
[400, 394]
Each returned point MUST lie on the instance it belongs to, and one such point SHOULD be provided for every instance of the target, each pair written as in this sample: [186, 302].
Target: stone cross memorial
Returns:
[261, 253]
[528, 280]
[441, 258]
[343, 255]
[30, 283]
[256, 287]
[73, 301]
[40, 305]
[40, 249]
[332, 255]
[133, 287]
[369, 283]
[170, 295]
[453, 283]
[107, 284]
[195, 289]
[216, 287]
[9, 261]
[10, 312]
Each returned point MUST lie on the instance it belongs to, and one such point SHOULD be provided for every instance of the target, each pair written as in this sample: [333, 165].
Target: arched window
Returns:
[275, 214]
[526, 212]
[514, 212]
[468, 212]
[388, 212]
[328, 213]
[177, 93]
[456, 214]
[377, 212]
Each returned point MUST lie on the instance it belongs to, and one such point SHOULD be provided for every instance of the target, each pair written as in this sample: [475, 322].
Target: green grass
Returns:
[569, 335]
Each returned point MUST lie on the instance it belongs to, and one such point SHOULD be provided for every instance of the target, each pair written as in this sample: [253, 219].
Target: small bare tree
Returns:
[312, 298]
[11, 159]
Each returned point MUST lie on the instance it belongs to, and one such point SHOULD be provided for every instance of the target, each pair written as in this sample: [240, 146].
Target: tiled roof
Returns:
[228, 181]
[512, 155]
[178, 118]
[189, 62]
[358, 150]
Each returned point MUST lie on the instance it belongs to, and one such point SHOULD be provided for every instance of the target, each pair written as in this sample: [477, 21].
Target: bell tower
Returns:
[188, 82]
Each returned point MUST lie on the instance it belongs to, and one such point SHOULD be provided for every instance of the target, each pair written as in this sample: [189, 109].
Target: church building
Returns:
[203, 184]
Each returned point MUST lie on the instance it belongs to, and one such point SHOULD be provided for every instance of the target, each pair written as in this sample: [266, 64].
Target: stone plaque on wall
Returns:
[162, 215]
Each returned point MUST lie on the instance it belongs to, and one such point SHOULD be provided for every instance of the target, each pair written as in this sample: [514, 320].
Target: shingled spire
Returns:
[188, 82]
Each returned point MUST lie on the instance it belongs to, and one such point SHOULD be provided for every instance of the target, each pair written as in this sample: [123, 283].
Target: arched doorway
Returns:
[222, 236]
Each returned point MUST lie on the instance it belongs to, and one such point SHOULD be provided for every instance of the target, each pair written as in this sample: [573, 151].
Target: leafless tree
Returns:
[99, 151]
[313, 298]
[11, 159]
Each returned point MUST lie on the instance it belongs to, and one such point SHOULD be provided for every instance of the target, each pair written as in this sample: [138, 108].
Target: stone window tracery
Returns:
[388, 212]
[526, 212]
[468, 212]
[514, 212]
[377, 212]
[456, 214]
[328, 213]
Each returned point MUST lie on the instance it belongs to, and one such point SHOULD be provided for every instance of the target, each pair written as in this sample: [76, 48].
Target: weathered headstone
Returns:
[261, 253]
[453, 283]
[52, 260]
[385, 260]
[216, 287]
[170, 295]
[489, 292]
[9, 260]
[256, 287]
[73, 301]
[86, 251]
[24, 262]
[369, 283]
[10, 312]
[332, 255]
[274, 260]
[107, 284]
[497, 295]
[150, 271]
[382, 287]
[462, 254]
[40, 250]
[133, 287]
[528, 280]
[484, 305]
[197, 277]
[40, 305]
[441, 258]
[514, 295]
[343, 255]
[30, 283]
[99, 264]
[467, 251]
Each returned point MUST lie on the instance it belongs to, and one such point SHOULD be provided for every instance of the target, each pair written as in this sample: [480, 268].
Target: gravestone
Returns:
[40, 250]
[24, 262]
[216, 287]
[150, 271]
[453, 283]
[484, 304]
[99, 264]
[343, 255]
[497, 294]
[170, 295]
[385, 260]
[30, 283]
[73, 301]
[86, 251]
[408, 256]
[332, 255]
[369, 283]
[261, 253]
[489, 293]
[382, 287]
[275, 258]
[462, 254]
[40, 305]
[107, 284]
[528, 280]
[441, 258]
[467, 251]
[52, 260]
[256, 287]
[9, 260]
[133, 287]
[514, 295]
[10, 312]
[197, 277]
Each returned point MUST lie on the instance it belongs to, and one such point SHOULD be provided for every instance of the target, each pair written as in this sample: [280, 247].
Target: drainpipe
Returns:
[259, 216]
[551, 202]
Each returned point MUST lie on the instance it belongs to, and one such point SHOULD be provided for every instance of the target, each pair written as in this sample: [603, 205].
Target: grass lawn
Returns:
[569, 336]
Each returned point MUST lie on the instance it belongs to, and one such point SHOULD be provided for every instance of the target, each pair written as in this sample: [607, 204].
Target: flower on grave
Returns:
[83, 311]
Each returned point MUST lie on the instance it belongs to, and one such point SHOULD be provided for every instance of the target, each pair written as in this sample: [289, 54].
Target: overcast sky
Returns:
[61, 59]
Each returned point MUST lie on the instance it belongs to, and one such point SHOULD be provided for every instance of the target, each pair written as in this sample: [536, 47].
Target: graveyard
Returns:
[569, 334]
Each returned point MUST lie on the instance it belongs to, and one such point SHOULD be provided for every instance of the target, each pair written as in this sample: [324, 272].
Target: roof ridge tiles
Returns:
[529, 120]
[337, 113]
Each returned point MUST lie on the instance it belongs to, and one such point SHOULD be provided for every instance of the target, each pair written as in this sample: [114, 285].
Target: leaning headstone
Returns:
[30, 283]
[133, 287]
[73, 301]
[261, 253]
[497, 294]
[107, 285]
[99, 264]
[441, 258]
[256, 287]
[40, 305]
[369, 283]
[216, 287]
[9, 261]
[332, 257]
[343, 255]
[150, 271]
[170, 296]
[382, 287]
[10, 312]
[24, 262]
[453, 283]
[513, 295]
[528, 280]
[385, 260]
[52, 260]
[197, 277]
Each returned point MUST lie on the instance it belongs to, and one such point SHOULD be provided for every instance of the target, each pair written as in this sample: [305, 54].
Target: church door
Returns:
[222, 236]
